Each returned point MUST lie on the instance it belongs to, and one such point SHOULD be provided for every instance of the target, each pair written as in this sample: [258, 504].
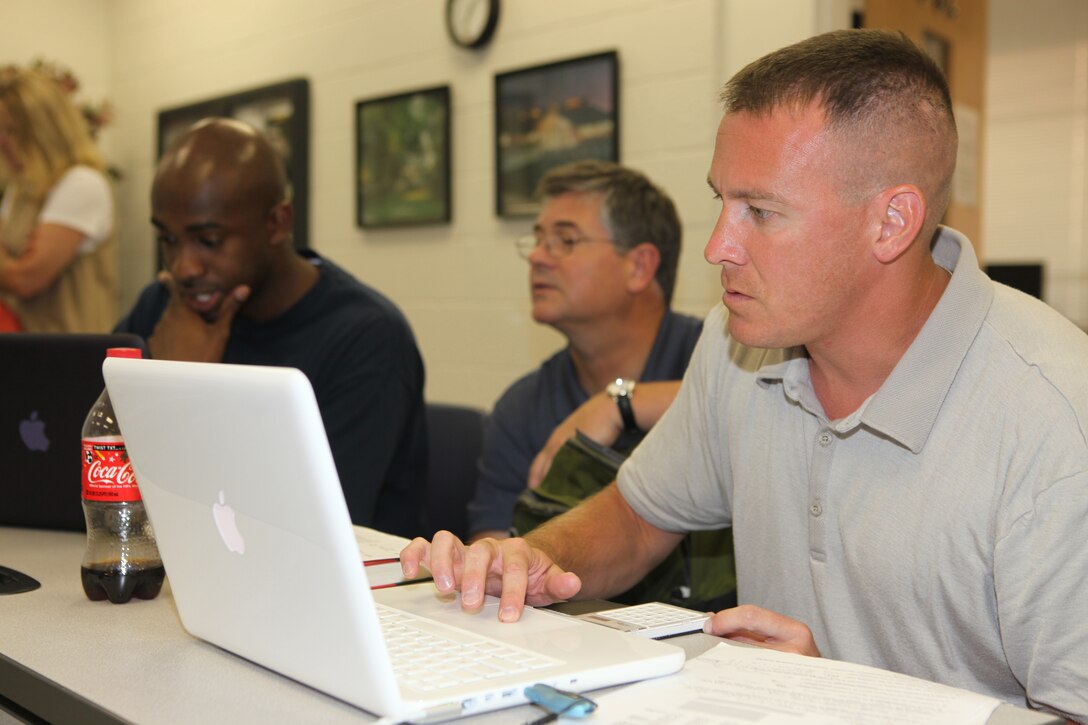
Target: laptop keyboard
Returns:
[428, 655]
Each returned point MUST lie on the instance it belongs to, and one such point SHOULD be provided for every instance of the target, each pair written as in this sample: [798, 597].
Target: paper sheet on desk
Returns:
[374, 544]
[730, 684]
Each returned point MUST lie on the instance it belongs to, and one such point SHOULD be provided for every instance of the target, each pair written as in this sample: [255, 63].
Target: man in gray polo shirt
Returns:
[898, 442]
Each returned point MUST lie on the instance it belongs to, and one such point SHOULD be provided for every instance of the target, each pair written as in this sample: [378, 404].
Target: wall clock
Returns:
[471, 23]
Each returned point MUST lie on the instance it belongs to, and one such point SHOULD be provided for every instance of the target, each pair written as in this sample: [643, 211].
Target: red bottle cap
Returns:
[131, 352]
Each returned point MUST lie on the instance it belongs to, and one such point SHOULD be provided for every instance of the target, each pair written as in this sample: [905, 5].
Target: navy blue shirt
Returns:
[361, 358]
[530, 409]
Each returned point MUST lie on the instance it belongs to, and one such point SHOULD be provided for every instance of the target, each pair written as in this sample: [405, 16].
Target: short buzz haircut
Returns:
[634, 210]
[873, 86]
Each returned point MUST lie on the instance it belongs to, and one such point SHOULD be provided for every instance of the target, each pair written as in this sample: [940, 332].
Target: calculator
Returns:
[653, 620]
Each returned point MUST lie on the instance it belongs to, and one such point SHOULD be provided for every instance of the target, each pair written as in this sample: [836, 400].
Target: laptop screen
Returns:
[50, 381]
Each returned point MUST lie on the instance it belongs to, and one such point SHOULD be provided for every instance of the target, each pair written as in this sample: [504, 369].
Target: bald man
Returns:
[235, 290]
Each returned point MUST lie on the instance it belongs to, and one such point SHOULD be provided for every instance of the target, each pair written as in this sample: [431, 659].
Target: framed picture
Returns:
[402, 145]
[550, 115]
[282, 111]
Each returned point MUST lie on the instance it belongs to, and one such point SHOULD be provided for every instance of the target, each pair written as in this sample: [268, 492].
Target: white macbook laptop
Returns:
[240, 485]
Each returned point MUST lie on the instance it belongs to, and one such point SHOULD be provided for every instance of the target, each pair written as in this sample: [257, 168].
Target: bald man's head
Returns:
[226, 159]
[219, 206]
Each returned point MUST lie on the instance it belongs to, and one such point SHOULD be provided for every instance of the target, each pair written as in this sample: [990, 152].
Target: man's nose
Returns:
[540, 255]
[726, 245]
[187, 263]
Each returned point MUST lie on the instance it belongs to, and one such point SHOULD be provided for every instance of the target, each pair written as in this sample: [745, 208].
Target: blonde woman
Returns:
[58, 255]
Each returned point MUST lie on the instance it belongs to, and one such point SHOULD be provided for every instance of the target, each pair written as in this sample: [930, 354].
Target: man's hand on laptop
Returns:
[510, 569]
[185, 332]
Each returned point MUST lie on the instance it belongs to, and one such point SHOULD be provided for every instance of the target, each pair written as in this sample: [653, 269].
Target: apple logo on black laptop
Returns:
[32, 431]
[228, 529]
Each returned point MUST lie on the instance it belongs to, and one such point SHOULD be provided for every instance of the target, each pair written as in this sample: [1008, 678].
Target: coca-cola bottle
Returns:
[121, 560]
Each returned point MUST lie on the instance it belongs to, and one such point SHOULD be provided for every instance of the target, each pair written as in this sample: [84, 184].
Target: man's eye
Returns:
[209, 242]
[567, 241]
[166, 240]
[760, 214]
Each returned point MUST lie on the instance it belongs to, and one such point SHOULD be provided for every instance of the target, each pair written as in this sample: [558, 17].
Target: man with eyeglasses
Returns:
[602, 266]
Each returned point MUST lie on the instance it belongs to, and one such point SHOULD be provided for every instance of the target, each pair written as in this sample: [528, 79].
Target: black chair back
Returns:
[455, 436]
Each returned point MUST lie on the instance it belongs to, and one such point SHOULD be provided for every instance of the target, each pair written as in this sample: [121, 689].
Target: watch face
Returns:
[471, 22]
[620, 387]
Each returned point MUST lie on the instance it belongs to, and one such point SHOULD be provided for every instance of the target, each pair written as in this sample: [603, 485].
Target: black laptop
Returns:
[48, 382]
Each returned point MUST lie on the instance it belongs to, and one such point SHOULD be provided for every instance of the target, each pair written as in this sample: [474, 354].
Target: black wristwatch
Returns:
[621, 390]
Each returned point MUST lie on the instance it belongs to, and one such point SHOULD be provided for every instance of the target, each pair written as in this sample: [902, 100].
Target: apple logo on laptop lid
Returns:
[227, 526]
[32, 431]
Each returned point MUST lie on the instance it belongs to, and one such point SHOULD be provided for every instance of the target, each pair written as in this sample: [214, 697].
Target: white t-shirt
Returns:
[81, 200]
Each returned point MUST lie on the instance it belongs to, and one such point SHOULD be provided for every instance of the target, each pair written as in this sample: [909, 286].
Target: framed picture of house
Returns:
[549, 115]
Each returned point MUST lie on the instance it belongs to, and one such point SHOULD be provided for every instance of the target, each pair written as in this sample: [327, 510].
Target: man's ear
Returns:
[642, 263]
[280, 222]
[902, 215]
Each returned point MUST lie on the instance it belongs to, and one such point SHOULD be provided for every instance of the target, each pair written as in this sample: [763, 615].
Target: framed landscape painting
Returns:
[403, 158]
[550, 115]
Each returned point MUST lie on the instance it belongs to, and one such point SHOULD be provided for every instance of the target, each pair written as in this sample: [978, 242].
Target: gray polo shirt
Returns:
[937, 531]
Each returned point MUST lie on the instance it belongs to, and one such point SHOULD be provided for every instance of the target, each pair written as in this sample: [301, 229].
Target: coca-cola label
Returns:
[107, 472]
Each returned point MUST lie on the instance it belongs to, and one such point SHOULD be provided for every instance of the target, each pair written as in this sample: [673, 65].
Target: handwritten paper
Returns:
[745, 685]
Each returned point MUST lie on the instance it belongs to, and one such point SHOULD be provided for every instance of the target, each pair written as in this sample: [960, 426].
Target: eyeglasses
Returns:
[556, 245]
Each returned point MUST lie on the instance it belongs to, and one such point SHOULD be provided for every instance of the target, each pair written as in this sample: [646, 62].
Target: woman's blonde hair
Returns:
[51, 133]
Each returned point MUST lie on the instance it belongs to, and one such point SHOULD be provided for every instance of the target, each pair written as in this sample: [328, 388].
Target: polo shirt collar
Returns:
[906, 405]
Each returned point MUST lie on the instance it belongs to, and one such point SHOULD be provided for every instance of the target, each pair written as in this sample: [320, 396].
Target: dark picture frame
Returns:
[548, 115]
[402, 154]
[280, 110]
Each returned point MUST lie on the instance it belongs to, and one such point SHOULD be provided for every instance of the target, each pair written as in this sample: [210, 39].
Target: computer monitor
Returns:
[1026, 277]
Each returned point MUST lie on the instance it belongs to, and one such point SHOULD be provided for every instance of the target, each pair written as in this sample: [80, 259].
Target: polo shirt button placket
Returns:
[823, 452]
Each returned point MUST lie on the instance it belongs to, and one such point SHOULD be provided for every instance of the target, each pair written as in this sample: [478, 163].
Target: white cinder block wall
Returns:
[74, 33]
[1036, 181]
[461, 285]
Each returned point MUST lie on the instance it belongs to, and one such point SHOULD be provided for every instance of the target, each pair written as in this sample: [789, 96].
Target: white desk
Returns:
[67, 659]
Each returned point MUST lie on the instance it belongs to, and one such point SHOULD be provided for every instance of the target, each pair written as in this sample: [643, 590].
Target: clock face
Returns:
[471, 23]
